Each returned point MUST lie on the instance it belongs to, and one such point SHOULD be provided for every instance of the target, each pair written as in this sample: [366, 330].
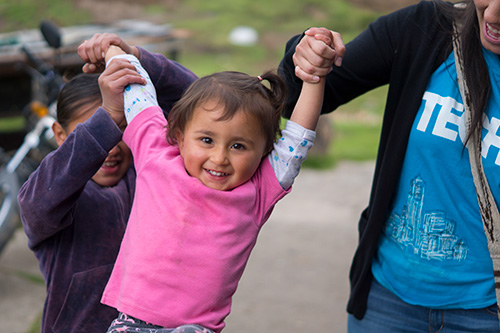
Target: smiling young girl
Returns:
[207, 182]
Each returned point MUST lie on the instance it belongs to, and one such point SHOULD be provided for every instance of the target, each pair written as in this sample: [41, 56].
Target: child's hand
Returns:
[112, 51]
[321, 34]
[118, 74]
[316, 53]
[92, 51]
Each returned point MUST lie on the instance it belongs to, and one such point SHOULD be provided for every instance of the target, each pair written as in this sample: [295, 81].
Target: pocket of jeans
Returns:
[492, 310]
[82, 306]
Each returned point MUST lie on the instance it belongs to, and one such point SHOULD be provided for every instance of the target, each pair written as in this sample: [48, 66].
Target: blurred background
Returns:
[242, 35]
[287, 280]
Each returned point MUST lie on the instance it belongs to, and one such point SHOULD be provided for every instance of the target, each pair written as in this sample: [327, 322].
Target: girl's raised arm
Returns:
[308, 108]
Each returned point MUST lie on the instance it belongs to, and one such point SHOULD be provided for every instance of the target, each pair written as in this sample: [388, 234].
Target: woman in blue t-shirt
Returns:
[423, 261]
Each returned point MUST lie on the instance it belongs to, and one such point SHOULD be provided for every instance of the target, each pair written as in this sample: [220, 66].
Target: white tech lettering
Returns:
[445, 116]
[444, 106]
[491, 138]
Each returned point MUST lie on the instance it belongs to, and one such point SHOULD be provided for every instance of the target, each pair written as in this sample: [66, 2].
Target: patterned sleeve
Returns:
[136, 97]
[290, 151]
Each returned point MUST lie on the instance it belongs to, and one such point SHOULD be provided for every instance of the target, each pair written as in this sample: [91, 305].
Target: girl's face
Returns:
[222, 154]
[488, 14]
[118, 160]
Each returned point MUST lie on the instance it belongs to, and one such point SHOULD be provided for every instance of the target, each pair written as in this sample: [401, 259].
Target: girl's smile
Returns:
[222, 154]
[217, 174]
[115, 166]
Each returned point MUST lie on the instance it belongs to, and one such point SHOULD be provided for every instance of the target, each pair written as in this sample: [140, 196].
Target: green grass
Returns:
[12, 124]
[210, 22]
[355, 141]
[356, 129]
[352, 141]
[208, 50]
[27, 14]
[36, 325]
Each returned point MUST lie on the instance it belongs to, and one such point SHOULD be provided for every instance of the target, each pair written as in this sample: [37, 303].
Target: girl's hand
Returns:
[93, 51]
[316, 53]
[112, 51]
[117, 75]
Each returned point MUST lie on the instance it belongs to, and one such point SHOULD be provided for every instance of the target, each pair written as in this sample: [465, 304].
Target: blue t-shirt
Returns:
[433, 251]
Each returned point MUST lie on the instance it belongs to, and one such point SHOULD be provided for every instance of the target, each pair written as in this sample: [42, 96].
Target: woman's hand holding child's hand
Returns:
[317, 52]
[118, 74]
[314, 57]
[93, 51]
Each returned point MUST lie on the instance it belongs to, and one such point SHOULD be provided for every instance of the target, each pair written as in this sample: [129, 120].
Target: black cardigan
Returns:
[401, 49]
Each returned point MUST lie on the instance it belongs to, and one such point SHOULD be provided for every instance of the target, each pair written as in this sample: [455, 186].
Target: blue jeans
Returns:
[388, 313]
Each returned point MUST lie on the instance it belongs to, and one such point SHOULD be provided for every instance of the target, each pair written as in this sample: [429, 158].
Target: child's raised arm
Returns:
[117, 75]
[307, 110]
[136, 97]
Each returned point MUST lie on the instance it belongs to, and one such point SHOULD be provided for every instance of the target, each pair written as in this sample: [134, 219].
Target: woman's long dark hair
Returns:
[476, 70]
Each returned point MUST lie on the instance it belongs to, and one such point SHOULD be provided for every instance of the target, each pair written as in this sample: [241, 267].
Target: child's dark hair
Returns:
[80, 91]
[234, 91]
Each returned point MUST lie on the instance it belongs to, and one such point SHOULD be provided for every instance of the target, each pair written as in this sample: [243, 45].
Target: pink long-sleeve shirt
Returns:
[186, 245]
